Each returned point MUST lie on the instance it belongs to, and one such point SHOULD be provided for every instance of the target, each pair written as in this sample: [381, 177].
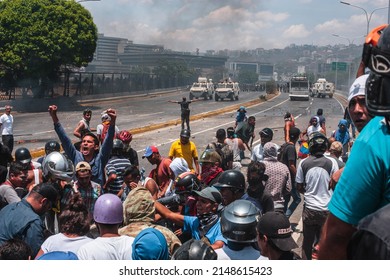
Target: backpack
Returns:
[224, 151]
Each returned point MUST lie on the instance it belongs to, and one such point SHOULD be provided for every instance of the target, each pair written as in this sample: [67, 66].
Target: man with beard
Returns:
[255, 192]
[206, 224]
[89, 148]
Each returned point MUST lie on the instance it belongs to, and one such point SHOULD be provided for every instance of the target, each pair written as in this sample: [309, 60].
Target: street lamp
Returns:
[350, 42]
[368, 16]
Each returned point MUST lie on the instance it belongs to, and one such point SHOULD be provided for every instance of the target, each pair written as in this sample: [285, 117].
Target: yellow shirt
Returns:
[187, 151]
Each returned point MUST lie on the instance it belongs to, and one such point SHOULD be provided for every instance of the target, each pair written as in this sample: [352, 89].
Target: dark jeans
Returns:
[296, 196]
[185, 118]
[8, 140]
[313, 221]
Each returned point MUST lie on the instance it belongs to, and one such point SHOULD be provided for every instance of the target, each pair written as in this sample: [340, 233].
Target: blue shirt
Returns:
[19, 220]
[364, 185]
[191, 223]
[100, 159]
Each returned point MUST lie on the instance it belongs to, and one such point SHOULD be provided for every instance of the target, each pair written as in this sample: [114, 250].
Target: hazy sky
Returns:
[185, 25]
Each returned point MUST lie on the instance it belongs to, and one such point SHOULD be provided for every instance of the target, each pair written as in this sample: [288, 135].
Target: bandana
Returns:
[207, 221]
[209, 173]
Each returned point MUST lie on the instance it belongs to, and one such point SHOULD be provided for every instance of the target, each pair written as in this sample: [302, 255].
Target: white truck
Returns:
[203, 88]
[299, 88]
[227, 90]
[323, 88]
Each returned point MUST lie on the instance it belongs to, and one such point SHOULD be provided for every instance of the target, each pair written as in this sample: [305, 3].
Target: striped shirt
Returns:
[116, 165]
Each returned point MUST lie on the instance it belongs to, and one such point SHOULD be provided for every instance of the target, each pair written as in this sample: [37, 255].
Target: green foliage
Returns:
[38, 37]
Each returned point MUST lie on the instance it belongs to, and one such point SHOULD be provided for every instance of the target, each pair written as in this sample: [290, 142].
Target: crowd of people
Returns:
[89, 201]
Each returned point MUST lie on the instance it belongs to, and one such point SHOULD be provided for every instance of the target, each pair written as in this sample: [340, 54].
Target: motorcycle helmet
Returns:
[186, 183]
[56, 166]
[108, 210]
[52, 146]
[239, 220]
[194, 250]
[185, 133]
[378, 81]
[318, 143]
[231, 179]
[23, 155]
[125, 136]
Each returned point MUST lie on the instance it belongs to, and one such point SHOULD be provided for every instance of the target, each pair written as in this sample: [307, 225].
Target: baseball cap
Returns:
[277, 228]
[83, 165]
[336, 146]
[358, 87]
[48, 191]
[267, 132]
[149, 151]
[210, 193]
[58, 255]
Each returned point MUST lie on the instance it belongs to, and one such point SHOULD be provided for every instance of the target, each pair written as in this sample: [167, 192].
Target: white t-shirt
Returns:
[247, 253]
[60, 242]
[107, 248]
[7, 122]
[99, 129]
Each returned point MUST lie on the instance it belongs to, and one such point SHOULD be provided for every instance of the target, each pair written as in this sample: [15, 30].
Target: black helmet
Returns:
[194, 250]
[52, 146]
[185, 133]
[378, 82]
[186, 183]
[239, 220]
[117, 144]
[23, 155]
[231, 179]
[318, 143]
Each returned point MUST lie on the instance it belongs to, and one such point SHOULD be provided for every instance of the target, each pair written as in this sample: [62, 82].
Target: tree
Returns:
[38, 38]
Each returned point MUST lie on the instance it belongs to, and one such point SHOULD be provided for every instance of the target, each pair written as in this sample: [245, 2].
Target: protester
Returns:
[7, 127]
[266, 135]
[231, 185]
[313, 176]
[274, 237]
[162, 173]
[89, 149]
[108, 216]
[74, 223]
[15, 249]
[363, 188]
[115, 168]
[206, 225]
[238, 225]
[185, 111]
[150, 244]
[128, 152]
[139, 214]
[131, 180]
[236, 146]
[23, 220]
[184, 148]
[210, 161]
[195, 250]
[15, 187]
[289, 122]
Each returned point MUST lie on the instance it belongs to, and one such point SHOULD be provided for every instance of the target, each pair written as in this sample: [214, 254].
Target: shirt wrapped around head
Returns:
[139, 206]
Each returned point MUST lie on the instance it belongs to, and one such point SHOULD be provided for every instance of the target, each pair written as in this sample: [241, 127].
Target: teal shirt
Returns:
[364, 185]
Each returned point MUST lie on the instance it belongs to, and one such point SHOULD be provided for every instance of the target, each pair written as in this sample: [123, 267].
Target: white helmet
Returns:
[57, 166]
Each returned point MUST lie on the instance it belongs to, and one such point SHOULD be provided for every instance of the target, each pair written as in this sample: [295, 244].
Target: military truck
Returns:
[226, 90]
[203, 88]
[323, 88]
